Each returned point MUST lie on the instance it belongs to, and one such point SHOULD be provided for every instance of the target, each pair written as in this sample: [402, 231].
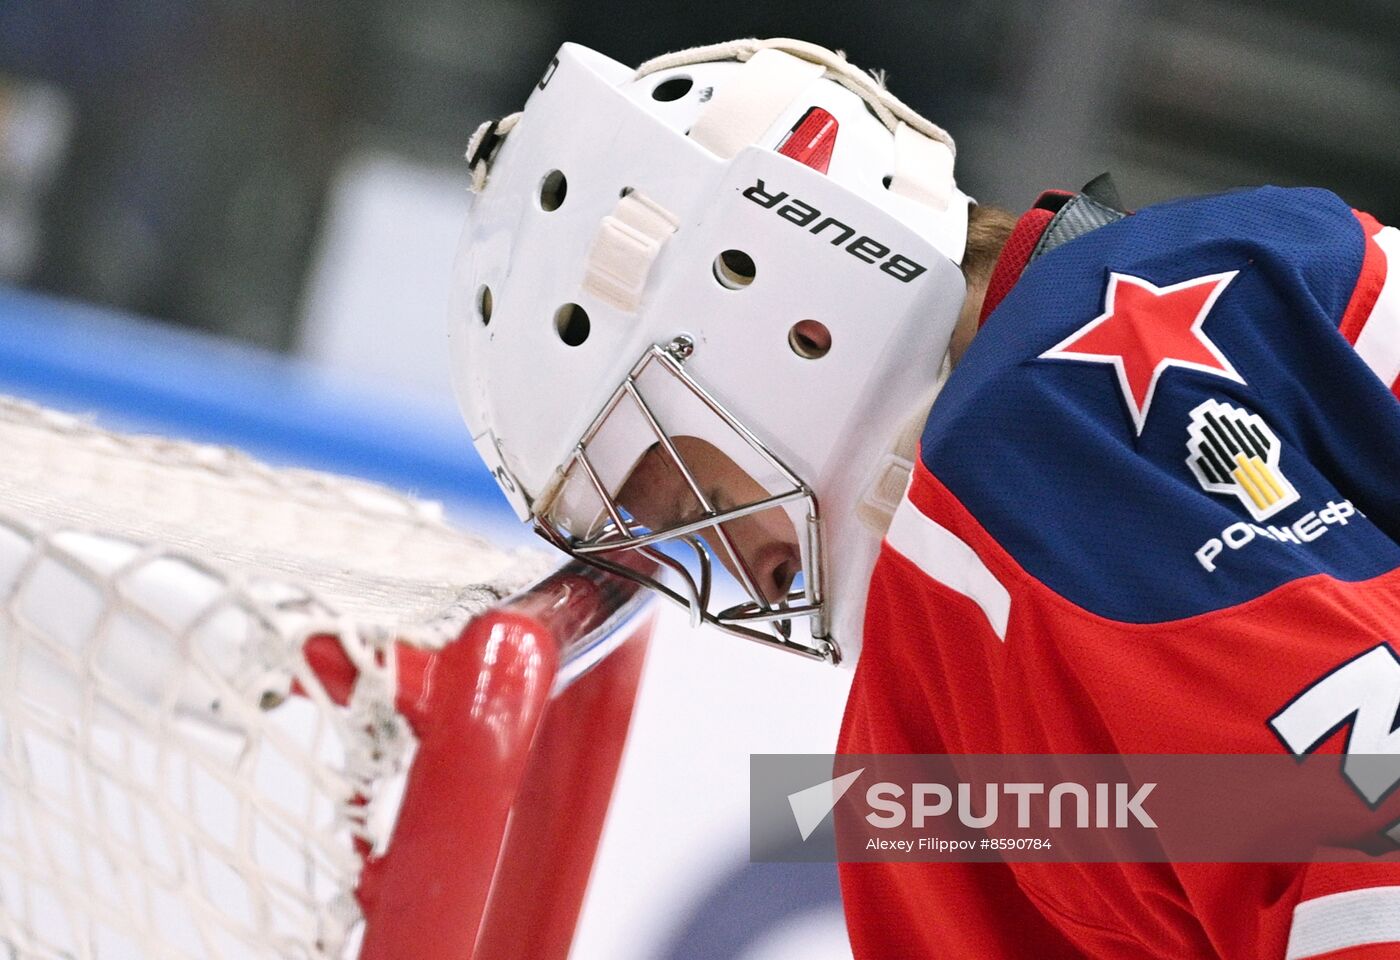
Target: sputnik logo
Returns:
[1144, 330]
[811, 806]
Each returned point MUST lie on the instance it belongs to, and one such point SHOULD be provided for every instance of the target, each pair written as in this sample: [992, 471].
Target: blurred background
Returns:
[223, 164]
[234, 220]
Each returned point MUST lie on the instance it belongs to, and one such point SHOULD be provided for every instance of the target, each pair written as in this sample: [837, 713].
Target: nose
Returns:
[775, 568]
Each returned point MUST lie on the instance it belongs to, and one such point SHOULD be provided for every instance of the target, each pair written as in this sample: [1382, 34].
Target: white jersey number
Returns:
[1365, 693]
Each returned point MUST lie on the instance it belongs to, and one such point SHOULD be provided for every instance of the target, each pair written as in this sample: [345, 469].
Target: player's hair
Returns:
[988, 228]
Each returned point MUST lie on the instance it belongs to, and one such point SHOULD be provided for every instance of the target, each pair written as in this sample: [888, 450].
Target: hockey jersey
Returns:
[1158, 511]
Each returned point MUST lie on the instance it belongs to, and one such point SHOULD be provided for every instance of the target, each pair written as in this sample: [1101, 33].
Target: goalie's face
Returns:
[659, 495]
[667, 474]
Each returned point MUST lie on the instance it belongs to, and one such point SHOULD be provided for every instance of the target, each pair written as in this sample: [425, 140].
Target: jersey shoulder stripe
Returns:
[946, 558]
[1369, 281]
[1372, 319]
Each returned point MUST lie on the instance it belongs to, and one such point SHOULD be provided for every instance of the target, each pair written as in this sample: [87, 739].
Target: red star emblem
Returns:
[1144, 329]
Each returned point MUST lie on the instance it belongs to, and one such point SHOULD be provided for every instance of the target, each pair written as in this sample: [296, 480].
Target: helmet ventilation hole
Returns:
[571, 323]
[553, 188]
[672, 89]
[734, 269]
[484, 304]
[810, 339]
[624, 191]
[887, 181]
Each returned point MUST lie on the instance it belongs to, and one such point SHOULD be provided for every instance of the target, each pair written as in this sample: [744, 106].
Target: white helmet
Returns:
[639, 254]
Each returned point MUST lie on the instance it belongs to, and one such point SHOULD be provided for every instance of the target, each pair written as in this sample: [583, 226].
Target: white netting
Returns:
[174, 779]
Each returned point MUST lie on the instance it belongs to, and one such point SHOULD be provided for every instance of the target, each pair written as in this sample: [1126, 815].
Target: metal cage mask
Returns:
[614, 532]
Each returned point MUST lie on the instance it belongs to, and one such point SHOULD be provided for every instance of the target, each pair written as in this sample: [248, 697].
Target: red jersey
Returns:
[1157, 511]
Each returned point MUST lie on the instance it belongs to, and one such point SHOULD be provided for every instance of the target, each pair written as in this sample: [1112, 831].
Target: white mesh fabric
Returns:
[174, 779]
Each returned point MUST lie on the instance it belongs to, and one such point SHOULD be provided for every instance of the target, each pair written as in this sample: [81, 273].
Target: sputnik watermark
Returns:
[811, 806]
[1112, 805]
[1261, 808]
[1102, 805]
[939, 845]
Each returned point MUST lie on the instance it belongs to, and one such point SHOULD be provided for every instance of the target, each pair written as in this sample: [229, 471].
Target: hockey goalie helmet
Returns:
[750, 249]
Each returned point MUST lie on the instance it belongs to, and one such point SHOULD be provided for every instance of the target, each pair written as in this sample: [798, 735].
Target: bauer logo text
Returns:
[838, 234]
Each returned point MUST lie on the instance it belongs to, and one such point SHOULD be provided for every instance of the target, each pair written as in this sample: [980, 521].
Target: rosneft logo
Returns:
[1233, 451]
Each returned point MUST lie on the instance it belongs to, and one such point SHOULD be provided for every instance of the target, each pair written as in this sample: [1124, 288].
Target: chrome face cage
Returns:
[756, 619]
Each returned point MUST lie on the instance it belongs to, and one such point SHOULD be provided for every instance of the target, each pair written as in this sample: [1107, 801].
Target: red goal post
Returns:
[507, 732]
[250, 712]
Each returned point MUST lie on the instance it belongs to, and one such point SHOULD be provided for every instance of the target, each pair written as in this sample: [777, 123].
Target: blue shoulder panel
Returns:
[1223, 487]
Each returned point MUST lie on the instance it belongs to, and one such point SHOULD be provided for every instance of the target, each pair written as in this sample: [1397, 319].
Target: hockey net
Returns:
[249, 712]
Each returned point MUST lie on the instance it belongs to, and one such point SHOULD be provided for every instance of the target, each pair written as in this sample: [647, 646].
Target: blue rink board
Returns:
[135, 374]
